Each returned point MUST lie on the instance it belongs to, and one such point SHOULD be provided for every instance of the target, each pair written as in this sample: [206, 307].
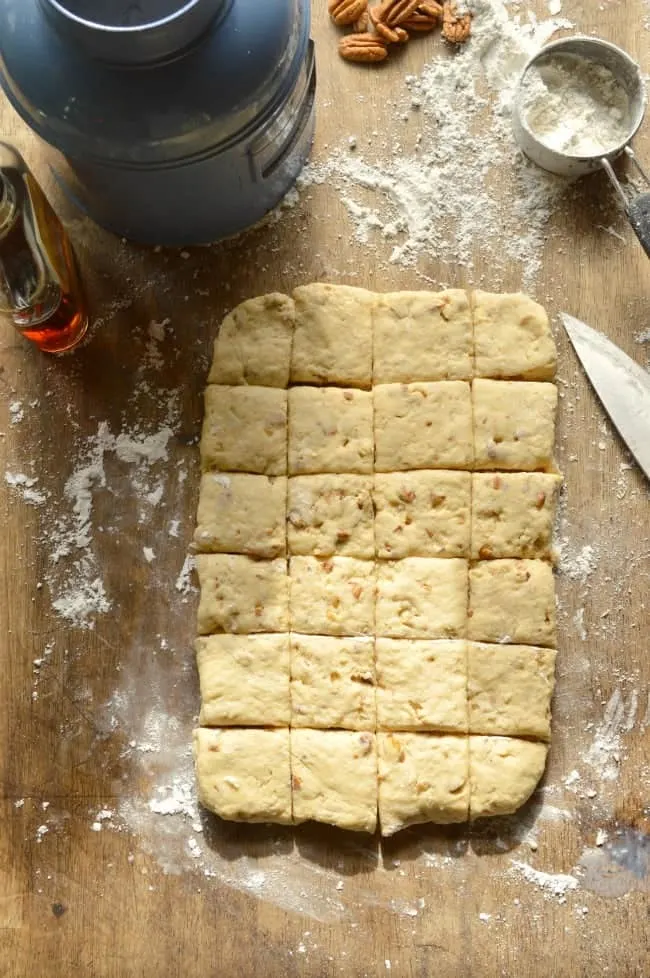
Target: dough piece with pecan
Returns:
[253, 345]
[334, 778]
[422, 597]
[242, 595]
[512, 338]
[514, 424]
[331, 514]
[423, 426]
[333, 336]
[244, 680]
[512, 602]
[245, 430]
[513, 514]
[332, 596]
[422, 514]
[333, 682]
[421, 685]
[423, 777]
[330, 430]
[503, 773]
[242, 514]
[509, 690]
[244, 774]
[422, 336]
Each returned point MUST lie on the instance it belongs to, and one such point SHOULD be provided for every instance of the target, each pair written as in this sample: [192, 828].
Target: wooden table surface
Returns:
[105, 719]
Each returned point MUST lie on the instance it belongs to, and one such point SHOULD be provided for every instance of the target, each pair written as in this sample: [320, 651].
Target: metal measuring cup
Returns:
[627, 72]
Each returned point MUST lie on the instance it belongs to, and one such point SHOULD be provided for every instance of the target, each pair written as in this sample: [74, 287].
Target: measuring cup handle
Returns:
[638, 212]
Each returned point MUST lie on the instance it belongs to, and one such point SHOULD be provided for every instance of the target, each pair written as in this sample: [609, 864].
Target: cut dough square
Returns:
[509, 690]
[331, 514]
[245, 430]
[330, 430]
[334, 778]
[242, 514]
[512, 338]
[503, 773]
[423, 426]
[333, 682]
[514, 424]
[254, 343]
[512, 602]
[422, 597]
[332, 596]
[421, 685]
[422, 778]
[422, 514]
[333, 336]
[244, 775]
[244, 680]
[513, 514]
[242, 595]
[422, 336]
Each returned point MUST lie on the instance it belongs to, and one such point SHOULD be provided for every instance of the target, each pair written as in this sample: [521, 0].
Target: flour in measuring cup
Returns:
[575, 106]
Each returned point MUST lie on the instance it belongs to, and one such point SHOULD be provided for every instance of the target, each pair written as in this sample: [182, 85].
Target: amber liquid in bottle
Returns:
[40, 288]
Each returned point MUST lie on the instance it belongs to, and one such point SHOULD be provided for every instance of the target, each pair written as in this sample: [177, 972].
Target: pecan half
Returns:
[398, 11]
[389, 34]
[431, 8]
[345, 12]
[420, 22]
[363, 47]
[455, 27]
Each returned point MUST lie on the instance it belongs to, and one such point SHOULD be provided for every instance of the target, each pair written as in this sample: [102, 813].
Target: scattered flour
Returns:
[552, 884]
[604, 755]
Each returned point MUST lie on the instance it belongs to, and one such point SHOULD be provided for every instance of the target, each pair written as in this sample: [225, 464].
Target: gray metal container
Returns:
[182, 122]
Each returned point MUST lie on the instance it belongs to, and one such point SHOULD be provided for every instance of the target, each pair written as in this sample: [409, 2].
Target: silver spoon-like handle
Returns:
[637, 203]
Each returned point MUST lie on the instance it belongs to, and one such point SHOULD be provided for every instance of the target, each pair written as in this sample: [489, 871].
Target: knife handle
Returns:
[638, 212]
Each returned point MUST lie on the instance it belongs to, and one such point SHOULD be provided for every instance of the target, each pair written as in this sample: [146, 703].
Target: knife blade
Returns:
[621, 384]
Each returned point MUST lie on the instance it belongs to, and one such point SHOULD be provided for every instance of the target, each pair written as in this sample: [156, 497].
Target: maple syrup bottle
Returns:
[40, 289]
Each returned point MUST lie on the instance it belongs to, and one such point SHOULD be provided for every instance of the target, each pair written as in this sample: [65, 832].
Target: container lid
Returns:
[148, 83]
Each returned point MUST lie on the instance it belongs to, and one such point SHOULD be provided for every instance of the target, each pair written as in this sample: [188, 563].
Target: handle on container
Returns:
[637, 206]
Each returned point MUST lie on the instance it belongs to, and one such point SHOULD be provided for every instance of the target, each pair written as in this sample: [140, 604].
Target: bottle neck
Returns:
[122, 32]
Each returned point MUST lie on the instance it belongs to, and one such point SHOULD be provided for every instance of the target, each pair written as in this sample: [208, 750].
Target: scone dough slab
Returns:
[244, 680]
[422, 597]
[513, 514]
[422, 514]
[331, 514]
[330, 430]
[512, 602]
[242, 514]
[503, 773]
[512, 338]
[333, 682]
[245, 430]
[254, 343]
[333, 336]
[332, 596]
[240, 595]
[423, 426]
[421, 685]
[514, 424]
[422, 778]
[509, 690]
[244, 773]
[422, 336]
[334, 778]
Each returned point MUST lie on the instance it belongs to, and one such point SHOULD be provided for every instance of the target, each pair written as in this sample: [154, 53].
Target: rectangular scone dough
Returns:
[503, 773]
[242, 514]
[334, 778]
[421, 685]
[514, 424]
[422, 336]
[242, 595]
[512, 602]
[333, 336]
[509, 689]
[330, 430]
[422, 778]
[422, 514]
[513, 514]
[244, 680]
[253, 345]
[245, 430]
[244, 774]
[332, 596]
[512, 338]
[422, 597]
[333, 682]
[331, 514]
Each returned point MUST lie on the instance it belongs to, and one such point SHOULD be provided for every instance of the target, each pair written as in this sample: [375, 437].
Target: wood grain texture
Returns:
[80, 902]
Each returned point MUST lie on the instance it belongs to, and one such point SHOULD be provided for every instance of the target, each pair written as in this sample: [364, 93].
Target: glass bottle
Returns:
[40, 288]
